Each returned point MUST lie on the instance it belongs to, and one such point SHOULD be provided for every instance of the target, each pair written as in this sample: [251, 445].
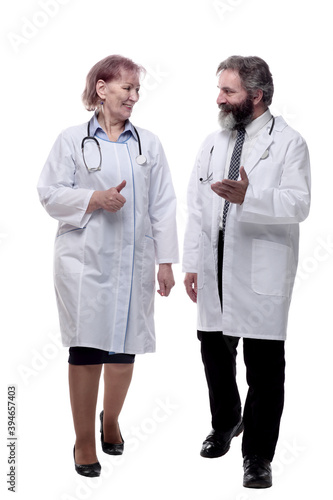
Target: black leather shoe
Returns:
[257, 472]
[89, 470]
[217, 443]
[109, 448]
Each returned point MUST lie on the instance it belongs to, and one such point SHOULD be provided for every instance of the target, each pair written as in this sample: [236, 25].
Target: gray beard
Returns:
[226, 120]
[237, 116]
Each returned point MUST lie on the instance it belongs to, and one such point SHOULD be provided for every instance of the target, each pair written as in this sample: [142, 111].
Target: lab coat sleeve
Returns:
[289, 202]
[58, 193]
[193, 226]
[162, 210]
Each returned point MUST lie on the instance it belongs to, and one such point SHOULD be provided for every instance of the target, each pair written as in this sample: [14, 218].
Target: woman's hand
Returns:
[110, 200]
[165, 279]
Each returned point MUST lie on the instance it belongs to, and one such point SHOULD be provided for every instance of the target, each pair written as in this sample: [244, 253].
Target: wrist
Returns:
[94, 203]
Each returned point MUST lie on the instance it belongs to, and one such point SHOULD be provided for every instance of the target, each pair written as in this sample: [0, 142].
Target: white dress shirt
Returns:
[252, 132]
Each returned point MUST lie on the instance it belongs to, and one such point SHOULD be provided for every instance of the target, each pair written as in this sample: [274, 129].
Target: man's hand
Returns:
[165, 279]
[233, 191]
[191, 286]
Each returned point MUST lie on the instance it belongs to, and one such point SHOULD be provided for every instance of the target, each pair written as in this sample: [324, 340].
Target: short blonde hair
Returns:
[107, 69]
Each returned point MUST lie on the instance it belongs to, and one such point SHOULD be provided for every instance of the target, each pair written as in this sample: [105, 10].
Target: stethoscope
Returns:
[263, 157]
[140, 159]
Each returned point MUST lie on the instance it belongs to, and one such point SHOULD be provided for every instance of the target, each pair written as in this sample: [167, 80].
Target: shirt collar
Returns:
[96, 129]
[253, 128]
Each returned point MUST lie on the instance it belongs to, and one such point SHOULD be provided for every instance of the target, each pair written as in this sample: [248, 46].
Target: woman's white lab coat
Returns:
[261, 236]
[104, 266]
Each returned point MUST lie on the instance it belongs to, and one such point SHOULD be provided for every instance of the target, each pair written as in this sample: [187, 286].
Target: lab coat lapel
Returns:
[262, 144]
[218, 168]
[220, 155]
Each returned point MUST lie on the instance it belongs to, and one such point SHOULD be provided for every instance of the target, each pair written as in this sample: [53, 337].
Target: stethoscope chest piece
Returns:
[265, 155]
[141, 160]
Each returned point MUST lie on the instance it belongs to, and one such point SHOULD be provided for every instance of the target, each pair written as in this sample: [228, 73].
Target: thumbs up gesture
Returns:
[110, 200]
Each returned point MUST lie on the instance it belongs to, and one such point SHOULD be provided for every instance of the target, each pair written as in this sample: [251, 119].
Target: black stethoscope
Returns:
[210, 175]
[140, 159]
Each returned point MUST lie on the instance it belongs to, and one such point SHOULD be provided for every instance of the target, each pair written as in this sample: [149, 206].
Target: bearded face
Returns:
[235, 116]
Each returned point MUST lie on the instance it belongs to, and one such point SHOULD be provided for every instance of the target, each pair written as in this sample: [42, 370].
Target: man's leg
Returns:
[265, 364]
[219, 358]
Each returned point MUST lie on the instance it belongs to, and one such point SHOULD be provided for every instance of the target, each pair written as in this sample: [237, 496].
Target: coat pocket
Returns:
[207, 270]
[69, 251]
[148, 263]
[201, 262]
[271, 263]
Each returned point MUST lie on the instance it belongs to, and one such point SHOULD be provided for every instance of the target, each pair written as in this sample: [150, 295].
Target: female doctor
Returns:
[109, 186]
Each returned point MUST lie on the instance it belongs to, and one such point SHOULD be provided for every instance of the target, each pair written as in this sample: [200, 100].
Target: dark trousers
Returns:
[265, 374]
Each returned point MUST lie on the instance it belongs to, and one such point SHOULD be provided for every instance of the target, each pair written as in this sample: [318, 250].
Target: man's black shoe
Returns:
[217, 443]
[257, 472]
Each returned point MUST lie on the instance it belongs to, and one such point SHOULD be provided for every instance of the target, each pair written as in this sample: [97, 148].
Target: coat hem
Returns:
[243, 335]
[111, 349]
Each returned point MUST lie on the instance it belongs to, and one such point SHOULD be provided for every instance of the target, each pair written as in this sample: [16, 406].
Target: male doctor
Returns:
[249, 189]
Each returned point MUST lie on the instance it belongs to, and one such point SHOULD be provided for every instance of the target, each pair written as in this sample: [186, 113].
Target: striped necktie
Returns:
[234, 169]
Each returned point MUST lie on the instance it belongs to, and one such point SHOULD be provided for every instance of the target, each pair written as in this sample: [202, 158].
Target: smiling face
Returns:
[236, 106]
[119, 96]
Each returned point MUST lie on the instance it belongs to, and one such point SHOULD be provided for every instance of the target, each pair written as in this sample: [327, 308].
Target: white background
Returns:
[47, 49]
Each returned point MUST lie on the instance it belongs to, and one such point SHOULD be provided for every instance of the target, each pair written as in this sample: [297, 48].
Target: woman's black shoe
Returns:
[89, 470]
[109, 448]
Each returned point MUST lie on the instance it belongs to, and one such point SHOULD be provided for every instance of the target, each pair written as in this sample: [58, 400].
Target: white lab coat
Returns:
[261, 235]
[104, 267]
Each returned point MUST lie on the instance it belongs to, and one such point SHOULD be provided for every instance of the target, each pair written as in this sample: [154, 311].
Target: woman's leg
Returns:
[83, 387]
[117, 379]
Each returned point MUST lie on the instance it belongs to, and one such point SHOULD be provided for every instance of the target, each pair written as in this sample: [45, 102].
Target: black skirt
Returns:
[92, 356]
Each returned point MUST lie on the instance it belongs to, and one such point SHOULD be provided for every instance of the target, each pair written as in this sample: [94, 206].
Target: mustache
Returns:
[226, 107]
